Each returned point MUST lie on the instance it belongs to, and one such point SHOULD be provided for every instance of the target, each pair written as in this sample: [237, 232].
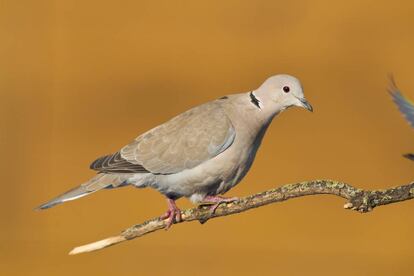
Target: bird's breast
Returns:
[219, 174]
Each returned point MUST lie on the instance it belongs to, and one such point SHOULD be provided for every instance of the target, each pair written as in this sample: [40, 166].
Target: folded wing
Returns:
[184, 142]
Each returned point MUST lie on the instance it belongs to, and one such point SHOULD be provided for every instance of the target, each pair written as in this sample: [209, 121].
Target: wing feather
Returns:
[184, 142]
[115, 163]
[404, 105]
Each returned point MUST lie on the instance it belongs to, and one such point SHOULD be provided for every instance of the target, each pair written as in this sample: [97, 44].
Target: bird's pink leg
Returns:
[173, 213]
[217, 200]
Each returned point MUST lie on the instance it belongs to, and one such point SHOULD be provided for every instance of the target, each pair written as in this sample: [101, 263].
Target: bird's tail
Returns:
[100, 181]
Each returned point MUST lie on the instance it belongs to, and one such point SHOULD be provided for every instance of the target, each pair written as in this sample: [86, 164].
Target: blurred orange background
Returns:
[80, 79]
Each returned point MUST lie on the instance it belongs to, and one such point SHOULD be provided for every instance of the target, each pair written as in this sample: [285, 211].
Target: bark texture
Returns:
[357, 199]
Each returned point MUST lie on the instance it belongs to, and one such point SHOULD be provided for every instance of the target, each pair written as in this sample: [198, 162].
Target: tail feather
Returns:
[72, 194]
[95, 184]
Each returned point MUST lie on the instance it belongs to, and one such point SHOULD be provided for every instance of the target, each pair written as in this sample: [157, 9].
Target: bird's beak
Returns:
[305, 104]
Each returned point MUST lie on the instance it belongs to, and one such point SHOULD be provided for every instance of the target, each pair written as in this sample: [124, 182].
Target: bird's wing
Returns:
[184, 142]
[115, 163]
[404, 105]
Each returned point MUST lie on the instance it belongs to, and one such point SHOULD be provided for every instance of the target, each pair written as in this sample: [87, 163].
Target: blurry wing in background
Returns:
[409, 156]
[404, 105]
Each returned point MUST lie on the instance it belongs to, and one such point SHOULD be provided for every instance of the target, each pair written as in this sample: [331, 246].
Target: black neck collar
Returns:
[254, 100]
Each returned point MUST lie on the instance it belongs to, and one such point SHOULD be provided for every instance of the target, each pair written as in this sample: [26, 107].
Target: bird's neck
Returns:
[261, 110]
[250, 113]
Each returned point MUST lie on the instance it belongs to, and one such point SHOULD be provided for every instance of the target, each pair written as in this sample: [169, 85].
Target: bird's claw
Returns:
[217, 200]
[173, 214]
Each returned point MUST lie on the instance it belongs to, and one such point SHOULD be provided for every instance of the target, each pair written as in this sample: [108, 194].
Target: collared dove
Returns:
[199, 154]
[404, 105]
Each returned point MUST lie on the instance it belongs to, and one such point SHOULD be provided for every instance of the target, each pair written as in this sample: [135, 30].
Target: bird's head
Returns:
[280, 92]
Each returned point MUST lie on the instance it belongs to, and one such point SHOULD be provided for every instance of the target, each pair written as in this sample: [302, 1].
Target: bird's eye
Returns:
[286, 89]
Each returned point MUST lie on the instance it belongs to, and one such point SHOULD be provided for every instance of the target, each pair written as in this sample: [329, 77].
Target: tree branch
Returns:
[357, 199]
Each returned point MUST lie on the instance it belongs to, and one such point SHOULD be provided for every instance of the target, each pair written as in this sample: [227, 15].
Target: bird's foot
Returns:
[217, 200]
[173, 214]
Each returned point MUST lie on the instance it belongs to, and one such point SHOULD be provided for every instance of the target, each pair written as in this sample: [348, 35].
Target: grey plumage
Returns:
[202, 152]
[115, 163]
[184, 142]
[98, 182]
